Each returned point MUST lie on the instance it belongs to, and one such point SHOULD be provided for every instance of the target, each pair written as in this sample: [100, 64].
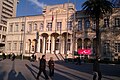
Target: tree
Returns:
[97, 9]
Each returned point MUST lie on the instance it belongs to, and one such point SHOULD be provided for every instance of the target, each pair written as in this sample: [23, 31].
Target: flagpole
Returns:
[55, 33]
[74, 33]
[60, 39]
[67, 29]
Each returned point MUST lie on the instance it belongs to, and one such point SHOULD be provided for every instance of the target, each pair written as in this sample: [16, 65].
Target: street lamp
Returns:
[29, 47]
[21, 53]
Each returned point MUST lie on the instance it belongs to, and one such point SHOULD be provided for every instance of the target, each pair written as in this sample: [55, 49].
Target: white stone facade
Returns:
[39, 33]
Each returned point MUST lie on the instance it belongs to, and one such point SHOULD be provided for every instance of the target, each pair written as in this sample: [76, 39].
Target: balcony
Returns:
[7, 11]
[10, 8]
[9, 3]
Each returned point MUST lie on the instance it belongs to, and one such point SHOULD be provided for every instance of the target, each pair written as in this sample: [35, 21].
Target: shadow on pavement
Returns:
[59, 74]
[2, 74]
[12, 75]
[20, 76]
[31, 70]
[82, 68]
[107, 70]
[72, 75]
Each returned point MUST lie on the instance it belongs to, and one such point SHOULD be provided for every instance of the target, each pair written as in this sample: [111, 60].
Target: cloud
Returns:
[37, 3]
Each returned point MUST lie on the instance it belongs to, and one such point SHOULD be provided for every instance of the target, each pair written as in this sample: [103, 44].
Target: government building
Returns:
[60, 31]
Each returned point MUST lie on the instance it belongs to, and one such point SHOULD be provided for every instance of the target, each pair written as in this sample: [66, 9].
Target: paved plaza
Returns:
[26, 70]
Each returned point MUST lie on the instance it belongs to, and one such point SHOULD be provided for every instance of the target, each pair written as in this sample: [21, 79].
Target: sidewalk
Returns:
[26, 70]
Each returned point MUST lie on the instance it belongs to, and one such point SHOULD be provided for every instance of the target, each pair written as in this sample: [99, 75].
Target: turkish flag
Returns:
[84, 51]
[52, 17]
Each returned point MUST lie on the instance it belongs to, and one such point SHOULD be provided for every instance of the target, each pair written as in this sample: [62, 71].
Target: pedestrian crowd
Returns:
[10, 56]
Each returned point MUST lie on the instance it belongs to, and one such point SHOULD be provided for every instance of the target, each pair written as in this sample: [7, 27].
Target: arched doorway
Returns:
[45, 36]
[79, 43]
[54, 42]
[66, 42]
[34, 46]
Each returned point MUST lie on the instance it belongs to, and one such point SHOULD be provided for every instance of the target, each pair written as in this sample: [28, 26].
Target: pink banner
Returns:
[84, 51]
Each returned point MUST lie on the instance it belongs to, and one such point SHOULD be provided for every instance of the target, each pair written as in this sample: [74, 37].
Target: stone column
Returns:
[38, 45]
[76, 44]
[82, 43]
[49, 43]
[53, 45]
[44, 45]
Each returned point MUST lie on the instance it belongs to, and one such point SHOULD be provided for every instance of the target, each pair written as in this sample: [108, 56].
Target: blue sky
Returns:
[34, 7]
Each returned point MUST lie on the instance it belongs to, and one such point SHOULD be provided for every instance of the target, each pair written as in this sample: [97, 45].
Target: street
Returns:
[26, 70]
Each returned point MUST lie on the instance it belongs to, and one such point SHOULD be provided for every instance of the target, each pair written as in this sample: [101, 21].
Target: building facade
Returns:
[7, 10]
[57, 32]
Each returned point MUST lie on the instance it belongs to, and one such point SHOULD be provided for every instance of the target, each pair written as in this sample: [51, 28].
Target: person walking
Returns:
[42, 68]
[13, 56]
[4, 56]
[51, 67]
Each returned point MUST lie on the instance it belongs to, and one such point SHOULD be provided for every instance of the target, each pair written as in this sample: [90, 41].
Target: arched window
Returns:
[87, 23]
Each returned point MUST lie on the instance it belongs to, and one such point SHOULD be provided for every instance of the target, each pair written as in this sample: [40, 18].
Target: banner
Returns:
[84, 51]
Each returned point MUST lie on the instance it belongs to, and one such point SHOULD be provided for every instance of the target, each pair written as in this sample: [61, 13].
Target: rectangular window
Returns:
[16, 28]
[87, 23]
[106, 22]
[30, 27]
[41, 27]
[69, 25]
[9, 46]
[106, 48]
[79, 25]
[49, 26]
[15, 46]
[3, 28]
[35, 27]
[23, 26]
[117, 22]
[117, 47]
[11, 28]
[59, 26]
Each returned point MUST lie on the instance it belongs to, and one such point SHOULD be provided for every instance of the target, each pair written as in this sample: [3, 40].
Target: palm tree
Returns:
[97, 9]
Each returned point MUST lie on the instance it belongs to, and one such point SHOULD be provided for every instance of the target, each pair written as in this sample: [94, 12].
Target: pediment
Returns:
[56, 11]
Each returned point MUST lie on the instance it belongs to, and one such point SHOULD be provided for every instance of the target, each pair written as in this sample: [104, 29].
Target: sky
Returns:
[34, 7]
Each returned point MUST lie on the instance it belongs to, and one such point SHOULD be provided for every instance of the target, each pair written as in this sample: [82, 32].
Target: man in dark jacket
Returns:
[51, 67]
[42, 68]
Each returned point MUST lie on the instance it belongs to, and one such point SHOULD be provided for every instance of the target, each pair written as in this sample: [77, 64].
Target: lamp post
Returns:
[29, 47]
[21, 53]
